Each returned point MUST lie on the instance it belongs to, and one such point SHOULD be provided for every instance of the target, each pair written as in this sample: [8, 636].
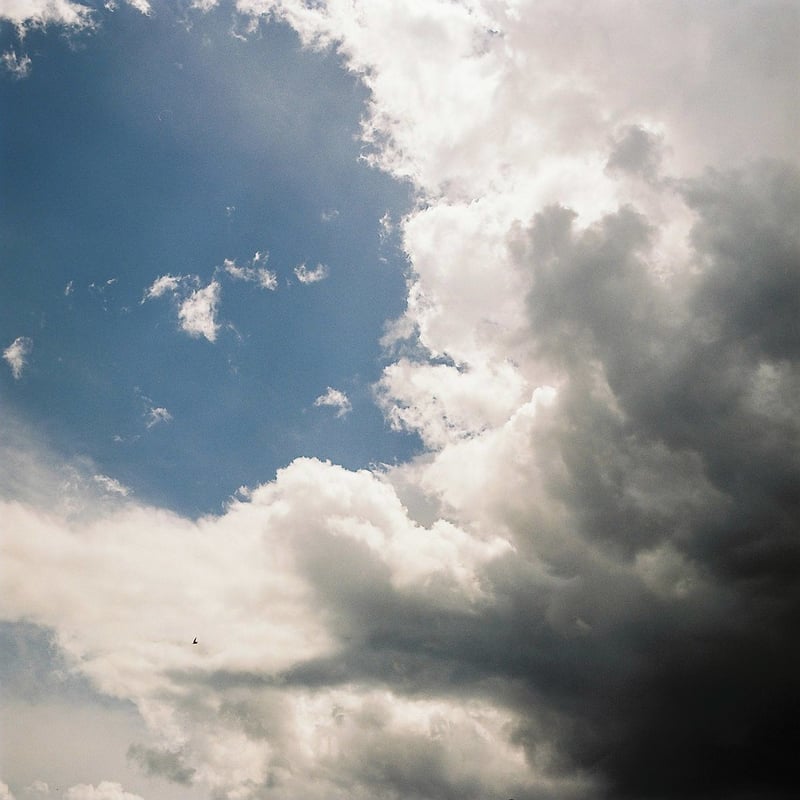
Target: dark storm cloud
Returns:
[654, 650]
[695, 694]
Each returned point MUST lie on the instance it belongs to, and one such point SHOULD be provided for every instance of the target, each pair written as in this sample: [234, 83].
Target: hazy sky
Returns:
[435, 364]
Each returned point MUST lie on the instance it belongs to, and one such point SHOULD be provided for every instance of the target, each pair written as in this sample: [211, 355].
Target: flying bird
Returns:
[195, 640]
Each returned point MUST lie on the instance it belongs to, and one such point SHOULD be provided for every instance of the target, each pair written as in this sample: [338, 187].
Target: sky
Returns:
[434, 365]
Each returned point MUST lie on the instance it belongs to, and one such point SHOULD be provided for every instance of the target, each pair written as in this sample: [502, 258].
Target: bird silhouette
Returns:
[195, 640]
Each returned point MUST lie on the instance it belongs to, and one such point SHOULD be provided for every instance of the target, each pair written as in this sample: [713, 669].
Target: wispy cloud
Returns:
[163, 284]
[253, 272]
[16, 355]
[111, 485]
[157, 415]
[335, 399]
[306, 275]
[18, 66]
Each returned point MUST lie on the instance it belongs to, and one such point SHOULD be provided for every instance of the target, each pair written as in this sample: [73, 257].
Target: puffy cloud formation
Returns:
[587, 585]
[106, 790]
[16, 355]
[197, 314]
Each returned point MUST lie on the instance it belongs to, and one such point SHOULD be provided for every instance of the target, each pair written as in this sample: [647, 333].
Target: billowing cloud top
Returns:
[586, 586]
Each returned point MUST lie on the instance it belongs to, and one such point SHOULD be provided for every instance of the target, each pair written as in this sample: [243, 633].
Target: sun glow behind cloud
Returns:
[599, 353]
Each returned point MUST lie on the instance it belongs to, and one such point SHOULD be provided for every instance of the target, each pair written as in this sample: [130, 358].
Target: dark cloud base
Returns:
[676, 433]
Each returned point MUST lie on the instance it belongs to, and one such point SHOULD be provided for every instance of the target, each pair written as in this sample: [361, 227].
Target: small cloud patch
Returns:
[306, 275]
[335, 399]
[16, 355]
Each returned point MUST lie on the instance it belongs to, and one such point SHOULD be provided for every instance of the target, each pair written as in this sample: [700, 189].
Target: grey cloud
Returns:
[692, 695]
[636, 151]
[162, 763]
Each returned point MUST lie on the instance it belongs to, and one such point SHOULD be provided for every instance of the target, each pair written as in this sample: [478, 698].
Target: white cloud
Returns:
[5, 792]
[105, 790]
[16, 355]
[142, 6]
[156, 415]
[335, 399]
[603, 398]
[306, 275]
[253, 273]
[198, 312]
[162, 285]
[255, 607]
[44, 12]
[19, 67]
[111, 485]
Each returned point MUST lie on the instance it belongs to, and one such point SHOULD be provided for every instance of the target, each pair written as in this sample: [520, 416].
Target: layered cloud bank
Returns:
[587, 585]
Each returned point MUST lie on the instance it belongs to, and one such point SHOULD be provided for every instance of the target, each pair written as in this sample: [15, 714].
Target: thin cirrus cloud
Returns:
[585, 586]
[254, 272]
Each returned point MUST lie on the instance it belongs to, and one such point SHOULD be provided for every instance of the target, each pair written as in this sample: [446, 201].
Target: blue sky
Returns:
[399, 400]
[165, 145]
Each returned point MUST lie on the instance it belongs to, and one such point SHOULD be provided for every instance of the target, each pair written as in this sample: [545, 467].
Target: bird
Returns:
[195, 640]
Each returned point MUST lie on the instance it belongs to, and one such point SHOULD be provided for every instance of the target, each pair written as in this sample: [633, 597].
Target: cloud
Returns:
[197, 314]
[44, 12]
[16, 355]
[105, 790]
[156, 415]
[142, 6]
[305, 275]
[335, 399]
[5, 792]
[586, 585]
[111, 485]
[164, 763]
[252, 273]
[162, 285]
[19, 67]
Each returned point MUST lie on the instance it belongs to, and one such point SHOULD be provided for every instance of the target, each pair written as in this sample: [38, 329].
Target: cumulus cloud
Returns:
[586, 585]
[335, 399]
[16, 355]
[197, 314]
[306, 275]
[44, 12]
[105, 790]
